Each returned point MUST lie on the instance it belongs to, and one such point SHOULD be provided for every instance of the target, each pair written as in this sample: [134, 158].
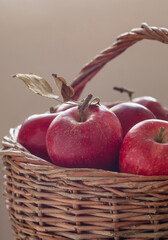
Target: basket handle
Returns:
[123, 41]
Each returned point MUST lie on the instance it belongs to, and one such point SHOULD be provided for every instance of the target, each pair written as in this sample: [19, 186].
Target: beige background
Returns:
[59, 36]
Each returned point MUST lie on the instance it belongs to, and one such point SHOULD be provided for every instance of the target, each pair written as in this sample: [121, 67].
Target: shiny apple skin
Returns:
[130, 113]
[111, 104]
[153, 105]
[141, 154]
[93, 143]
[64, 106]
[32, 134]
[166, 112]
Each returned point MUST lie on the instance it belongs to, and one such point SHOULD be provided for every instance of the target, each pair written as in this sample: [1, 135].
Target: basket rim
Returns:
[14, 151]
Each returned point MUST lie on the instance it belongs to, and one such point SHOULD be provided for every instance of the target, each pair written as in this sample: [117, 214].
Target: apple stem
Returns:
[84, 106]
[161, 136]
[124, 90]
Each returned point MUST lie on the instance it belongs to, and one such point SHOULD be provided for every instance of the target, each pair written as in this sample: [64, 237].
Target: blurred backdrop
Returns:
[60, 36]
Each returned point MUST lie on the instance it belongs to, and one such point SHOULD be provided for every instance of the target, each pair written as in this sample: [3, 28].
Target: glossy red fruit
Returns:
[64, 106]
[111, 104]
[32, 134]
[130, 113]
[93, 142]
[153, 105]
[144, 150]
[166, 112]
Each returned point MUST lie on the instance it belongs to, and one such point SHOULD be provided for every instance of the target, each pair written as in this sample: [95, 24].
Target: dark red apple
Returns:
[111, 104]
[153, 105]
[32, 134]
[166, 112]
[130, 113]
[64, 106]
[92, 141]
[144, 150]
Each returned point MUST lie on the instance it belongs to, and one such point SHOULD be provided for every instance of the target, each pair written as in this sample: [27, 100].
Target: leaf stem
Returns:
[124, 90]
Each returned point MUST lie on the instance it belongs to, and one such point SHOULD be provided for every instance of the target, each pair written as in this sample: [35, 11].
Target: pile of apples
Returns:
[130, 137]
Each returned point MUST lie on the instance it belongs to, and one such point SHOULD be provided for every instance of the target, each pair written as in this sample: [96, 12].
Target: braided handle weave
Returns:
[122, 43]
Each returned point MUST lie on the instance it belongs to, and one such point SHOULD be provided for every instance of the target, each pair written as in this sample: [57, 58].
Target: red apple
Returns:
[91, 142]
[32, 134]
[153, 105]
[111, 104]
[130, 113]
[144, 150]
[166, 112]
[64, 106]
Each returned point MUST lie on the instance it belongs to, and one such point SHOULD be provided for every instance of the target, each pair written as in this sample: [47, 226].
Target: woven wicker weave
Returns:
[46, 202]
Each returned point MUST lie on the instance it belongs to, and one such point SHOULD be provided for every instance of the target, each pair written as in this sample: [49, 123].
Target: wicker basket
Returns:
[46, 202]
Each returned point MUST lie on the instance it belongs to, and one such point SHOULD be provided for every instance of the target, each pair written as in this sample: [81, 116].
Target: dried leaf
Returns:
[66, 91]
[37, 84]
